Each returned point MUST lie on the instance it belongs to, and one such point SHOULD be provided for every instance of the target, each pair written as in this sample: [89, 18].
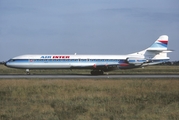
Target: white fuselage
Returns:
[72, 61]
[63, 61]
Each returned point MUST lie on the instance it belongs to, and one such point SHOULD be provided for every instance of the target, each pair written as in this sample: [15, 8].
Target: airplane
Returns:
[155, 54]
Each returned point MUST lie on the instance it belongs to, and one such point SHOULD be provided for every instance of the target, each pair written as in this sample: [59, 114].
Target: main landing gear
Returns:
[97, 72]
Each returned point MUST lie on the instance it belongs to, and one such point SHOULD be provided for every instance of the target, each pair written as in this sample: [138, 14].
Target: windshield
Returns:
[11, 60]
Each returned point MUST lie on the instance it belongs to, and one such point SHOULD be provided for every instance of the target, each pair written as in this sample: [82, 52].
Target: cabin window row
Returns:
[82, 60]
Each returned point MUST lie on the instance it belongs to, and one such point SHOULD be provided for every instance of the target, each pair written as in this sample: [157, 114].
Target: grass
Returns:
[102, 99]
[165, 69]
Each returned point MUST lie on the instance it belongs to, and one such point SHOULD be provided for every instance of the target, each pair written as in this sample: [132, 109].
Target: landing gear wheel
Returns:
[27, 71]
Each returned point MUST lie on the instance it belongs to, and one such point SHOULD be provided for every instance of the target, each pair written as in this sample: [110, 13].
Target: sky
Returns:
[86, 26]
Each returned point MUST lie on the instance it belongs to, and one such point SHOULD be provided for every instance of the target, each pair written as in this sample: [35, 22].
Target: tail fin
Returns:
[158, 50]
[160, 44]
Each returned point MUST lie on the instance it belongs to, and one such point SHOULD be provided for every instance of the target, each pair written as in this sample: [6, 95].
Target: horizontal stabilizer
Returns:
[164, 51]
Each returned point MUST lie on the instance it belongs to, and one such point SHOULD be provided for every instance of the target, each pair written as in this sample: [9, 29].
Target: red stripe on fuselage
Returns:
[124, 64]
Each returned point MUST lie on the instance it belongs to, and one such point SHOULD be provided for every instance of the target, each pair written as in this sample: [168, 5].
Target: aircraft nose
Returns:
[5, 63]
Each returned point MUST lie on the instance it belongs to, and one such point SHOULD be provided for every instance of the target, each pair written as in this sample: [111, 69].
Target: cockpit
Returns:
[11, 60]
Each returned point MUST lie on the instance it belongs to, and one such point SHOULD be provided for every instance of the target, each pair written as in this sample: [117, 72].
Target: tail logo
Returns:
[161, 42]
[164, 41]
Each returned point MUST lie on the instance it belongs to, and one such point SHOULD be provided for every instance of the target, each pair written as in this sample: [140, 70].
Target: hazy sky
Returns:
[86, 26]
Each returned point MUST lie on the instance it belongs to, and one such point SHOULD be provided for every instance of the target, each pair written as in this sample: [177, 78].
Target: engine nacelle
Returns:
[136, 61]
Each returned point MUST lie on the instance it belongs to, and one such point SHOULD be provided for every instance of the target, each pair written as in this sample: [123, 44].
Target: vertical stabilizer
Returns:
[158, 50]
[160, 44]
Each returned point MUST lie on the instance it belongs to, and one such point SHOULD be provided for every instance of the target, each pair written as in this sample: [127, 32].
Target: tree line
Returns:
[170, 63]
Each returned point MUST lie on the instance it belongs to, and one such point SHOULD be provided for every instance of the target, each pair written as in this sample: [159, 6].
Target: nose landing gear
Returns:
[27, 71]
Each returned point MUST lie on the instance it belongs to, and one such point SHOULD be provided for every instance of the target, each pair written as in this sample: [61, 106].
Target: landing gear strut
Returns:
[27, 71]
[97, 72]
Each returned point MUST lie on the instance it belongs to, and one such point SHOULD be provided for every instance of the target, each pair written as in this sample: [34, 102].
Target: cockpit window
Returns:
[11, 60]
